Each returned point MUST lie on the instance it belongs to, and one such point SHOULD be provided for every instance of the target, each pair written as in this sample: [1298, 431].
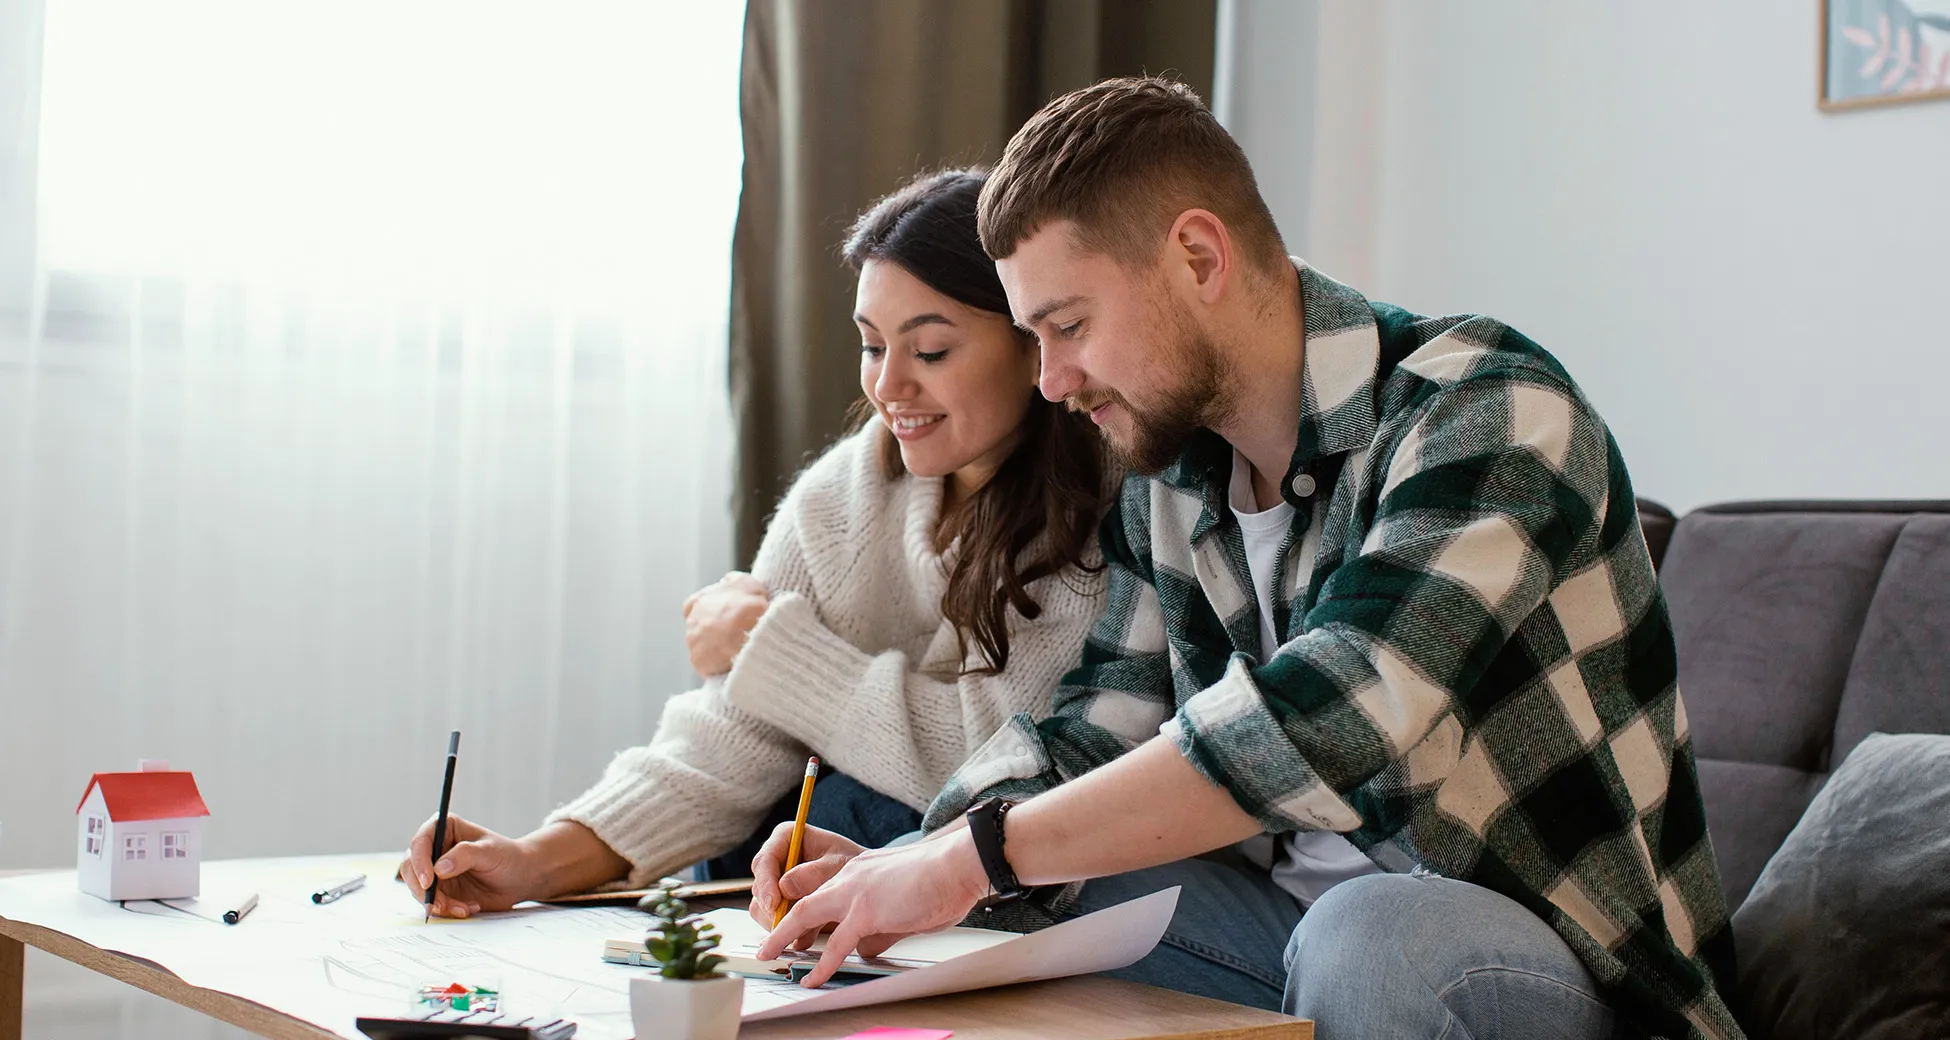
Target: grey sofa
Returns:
[1802, 628]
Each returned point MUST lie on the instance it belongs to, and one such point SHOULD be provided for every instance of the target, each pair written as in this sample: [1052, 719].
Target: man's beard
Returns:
[1195, 400]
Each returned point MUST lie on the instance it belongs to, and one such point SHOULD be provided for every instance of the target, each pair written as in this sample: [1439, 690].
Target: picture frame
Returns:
[1883, 52]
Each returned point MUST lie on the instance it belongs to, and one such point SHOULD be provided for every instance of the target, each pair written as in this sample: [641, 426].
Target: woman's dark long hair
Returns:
[1052, 484]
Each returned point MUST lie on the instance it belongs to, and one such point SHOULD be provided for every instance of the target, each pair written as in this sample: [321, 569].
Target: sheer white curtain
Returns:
[361, 377]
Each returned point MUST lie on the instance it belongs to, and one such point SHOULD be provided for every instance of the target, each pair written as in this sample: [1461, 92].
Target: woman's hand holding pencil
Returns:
[481, 871]
[477, 870]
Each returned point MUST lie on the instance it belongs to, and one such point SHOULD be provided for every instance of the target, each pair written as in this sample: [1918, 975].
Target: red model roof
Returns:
[147, 796]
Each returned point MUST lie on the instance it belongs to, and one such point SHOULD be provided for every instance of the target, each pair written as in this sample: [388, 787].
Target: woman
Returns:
[931, 575]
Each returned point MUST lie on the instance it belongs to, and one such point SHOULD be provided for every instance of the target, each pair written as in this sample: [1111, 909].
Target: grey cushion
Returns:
[1767, 611]
[1847, 932]
[1802, 626]
[1899, 681]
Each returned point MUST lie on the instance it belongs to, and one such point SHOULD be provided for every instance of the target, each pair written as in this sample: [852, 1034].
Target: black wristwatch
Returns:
[985, 826]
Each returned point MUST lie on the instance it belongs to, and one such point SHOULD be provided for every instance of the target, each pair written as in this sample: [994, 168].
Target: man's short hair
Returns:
[1121, 160]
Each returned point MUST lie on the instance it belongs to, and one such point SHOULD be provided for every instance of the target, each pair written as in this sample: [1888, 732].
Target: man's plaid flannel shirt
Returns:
[1478, 679]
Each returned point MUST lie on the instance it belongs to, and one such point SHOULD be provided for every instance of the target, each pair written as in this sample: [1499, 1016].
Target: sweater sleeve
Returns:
[697, 789]
[881, 721]
[876, 716]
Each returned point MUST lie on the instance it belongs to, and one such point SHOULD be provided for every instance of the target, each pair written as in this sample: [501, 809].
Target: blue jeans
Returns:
[1386, 956]
[1225, 938]
[840, 804]
[1414, 955]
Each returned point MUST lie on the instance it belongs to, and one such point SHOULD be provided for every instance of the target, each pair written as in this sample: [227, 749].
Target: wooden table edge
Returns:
[236, 1010]
[13, 985]
[970, 1012]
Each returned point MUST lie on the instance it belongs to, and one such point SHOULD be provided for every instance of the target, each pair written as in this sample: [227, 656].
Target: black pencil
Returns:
[440, 822]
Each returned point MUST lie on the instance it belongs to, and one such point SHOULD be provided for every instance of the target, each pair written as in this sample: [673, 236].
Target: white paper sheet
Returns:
[367, 953]
[1104, 941]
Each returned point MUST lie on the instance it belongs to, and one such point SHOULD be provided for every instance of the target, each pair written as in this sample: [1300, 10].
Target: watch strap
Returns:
[985, 825]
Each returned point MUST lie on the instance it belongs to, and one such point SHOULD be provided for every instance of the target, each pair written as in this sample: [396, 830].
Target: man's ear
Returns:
[1201, 243]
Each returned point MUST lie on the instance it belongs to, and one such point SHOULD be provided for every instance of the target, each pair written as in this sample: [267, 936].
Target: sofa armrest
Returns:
[1657, 521]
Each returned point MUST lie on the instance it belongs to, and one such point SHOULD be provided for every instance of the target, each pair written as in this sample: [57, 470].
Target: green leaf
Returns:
[678, 940]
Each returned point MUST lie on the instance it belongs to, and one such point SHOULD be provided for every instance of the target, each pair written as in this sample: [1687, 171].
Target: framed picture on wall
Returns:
[1877, 52]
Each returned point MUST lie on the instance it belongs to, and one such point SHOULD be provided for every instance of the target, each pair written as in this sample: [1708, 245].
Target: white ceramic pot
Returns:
[686, 1009]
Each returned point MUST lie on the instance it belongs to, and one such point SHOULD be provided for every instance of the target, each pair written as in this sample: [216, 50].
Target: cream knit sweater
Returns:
[851, 661]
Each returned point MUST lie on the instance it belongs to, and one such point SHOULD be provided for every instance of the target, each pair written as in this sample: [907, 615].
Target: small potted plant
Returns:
[687, 999]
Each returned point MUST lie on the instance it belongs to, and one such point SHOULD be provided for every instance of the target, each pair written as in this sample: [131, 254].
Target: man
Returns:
[1451, 653]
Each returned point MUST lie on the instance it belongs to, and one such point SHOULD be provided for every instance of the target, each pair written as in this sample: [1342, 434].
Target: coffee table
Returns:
[1090, 1007]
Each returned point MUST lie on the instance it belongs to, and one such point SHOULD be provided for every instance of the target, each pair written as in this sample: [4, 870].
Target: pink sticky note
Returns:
[893, 1033]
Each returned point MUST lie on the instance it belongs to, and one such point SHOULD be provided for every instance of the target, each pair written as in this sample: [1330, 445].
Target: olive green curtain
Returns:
[842, 100]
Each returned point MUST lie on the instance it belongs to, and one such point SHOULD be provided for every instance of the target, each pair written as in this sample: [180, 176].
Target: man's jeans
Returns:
[1387, 955]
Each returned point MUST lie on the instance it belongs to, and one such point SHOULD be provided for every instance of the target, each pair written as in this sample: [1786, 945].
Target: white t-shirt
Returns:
[1313, 861]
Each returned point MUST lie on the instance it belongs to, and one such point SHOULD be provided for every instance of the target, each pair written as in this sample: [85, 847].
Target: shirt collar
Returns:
[1338, 378]
[1339, 372]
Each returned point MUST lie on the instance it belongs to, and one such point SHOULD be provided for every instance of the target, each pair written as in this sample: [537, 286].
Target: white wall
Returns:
[1755, 294]
[20, 71]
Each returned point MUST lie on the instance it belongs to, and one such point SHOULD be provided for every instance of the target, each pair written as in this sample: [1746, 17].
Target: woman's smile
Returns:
[913, 427]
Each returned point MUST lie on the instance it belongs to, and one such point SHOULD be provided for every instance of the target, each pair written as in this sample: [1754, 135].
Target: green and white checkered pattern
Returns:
[1478, 677]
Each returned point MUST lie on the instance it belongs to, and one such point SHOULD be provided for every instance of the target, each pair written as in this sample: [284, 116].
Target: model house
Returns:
[140, 835]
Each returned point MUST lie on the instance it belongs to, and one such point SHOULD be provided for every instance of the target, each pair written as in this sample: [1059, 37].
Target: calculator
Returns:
[449, 1023]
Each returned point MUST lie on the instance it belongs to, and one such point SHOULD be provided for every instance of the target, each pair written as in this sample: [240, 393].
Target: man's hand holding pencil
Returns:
[871, 898]
[774, 885]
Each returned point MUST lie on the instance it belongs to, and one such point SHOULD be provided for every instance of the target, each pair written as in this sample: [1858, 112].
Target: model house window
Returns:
[135, 846]
[176, 844]
[97, 832]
